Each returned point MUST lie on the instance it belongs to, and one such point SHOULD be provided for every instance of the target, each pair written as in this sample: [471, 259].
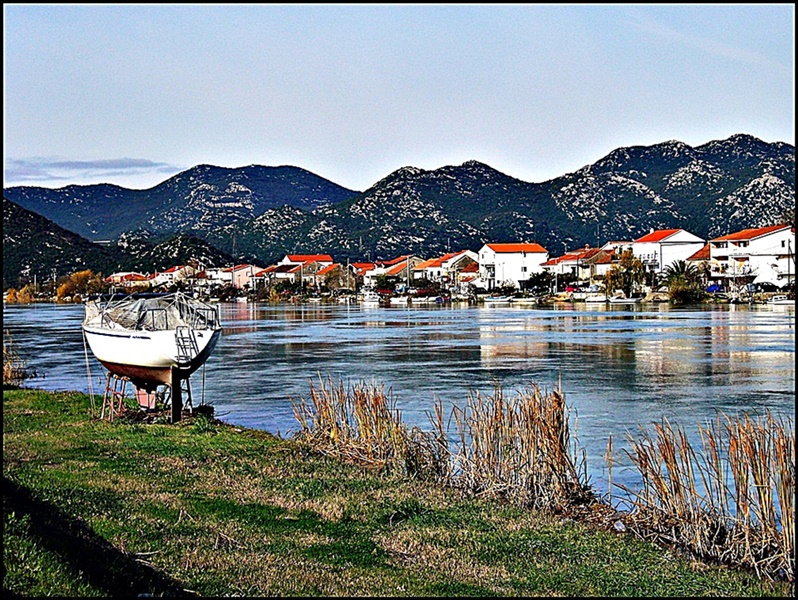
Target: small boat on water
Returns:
[596, 298]
[498, 299]
[782, 300]
[625, 300]
[145, 337]
[370, 298]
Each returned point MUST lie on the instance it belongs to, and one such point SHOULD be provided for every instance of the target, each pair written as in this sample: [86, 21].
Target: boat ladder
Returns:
[186, 344]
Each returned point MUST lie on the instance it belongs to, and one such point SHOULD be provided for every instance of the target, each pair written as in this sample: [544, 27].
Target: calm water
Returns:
[620, 367]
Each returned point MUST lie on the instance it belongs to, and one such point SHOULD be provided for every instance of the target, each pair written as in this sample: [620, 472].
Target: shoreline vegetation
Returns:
[492, 499]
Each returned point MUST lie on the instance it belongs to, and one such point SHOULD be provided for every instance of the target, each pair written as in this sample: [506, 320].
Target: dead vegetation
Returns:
[15, 371]
[732, 502]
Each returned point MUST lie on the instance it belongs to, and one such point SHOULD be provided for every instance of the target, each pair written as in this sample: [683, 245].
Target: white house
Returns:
[218, 276]
[444, 269]
[399, 268]
[178, 273]
[763, 254]
[303, 259]
[128, 279]
[661, 248]
[510, 264]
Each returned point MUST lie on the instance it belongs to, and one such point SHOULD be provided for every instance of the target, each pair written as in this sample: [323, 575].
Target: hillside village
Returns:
[737, 264]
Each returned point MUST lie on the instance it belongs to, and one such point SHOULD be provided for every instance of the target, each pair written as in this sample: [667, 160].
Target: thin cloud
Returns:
[651, 26]
[42, 169]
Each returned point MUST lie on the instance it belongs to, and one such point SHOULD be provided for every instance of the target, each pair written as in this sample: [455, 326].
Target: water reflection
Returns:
[620, 367]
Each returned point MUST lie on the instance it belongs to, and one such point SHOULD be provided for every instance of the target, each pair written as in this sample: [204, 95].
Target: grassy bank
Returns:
[93, 508]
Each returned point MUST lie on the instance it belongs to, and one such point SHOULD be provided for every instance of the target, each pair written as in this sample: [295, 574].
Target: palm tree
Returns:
[681, 270]
[684, 282]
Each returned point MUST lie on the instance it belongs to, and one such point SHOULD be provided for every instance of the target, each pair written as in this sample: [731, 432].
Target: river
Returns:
[619, 367]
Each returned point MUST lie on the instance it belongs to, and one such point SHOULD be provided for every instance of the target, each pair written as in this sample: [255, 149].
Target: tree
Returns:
[625, 275]
[538, 282]
[27, 294]
[684, 282]
[81, 283]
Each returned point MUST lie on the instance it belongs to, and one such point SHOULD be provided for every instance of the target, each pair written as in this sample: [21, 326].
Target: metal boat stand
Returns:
[179, 396]
[177, 388]
[114, 396]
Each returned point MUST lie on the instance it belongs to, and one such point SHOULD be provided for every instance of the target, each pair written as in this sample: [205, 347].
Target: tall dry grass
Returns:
[516, 448]
[15, 371]
[362, 423]
[731, 500]
[521, 448]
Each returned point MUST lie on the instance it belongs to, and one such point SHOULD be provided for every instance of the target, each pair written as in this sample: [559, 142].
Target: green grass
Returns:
[94, 508]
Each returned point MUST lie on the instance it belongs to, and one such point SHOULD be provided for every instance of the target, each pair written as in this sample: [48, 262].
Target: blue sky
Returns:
[132, 95]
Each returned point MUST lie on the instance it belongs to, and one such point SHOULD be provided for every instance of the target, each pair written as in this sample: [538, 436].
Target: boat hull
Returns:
[781, 300]
[147, 358]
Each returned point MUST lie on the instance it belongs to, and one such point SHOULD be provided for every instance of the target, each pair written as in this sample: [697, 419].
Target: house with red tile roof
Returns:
[284, 272]
[128, 279]
[761, 254]
[398, 269]
[660, 248]
[510, 264]
[241, 275]
[335, 277]
[304, 259]
[359, 270]
[580, 263]
[309, 273]
[175, 274]
[444, 269]
[219, 277]
[263, 277]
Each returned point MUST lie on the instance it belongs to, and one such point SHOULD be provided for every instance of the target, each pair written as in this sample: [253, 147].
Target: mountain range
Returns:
[260, 213]
[37, 250]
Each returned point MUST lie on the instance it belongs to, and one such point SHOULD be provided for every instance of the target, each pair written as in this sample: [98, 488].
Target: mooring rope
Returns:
[88, 371]
[202, 398]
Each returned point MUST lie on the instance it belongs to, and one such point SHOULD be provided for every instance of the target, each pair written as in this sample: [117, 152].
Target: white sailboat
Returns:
[151, 338]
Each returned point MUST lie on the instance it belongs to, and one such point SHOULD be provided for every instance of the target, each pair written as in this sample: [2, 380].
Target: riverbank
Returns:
[93, 508]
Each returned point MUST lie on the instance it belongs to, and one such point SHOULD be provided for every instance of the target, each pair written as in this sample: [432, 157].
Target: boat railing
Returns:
[204, 318]
[154, 313]
[153, 319]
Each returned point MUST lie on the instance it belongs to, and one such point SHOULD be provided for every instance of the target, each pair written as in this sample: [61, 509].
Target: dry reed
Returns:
[519, 448]
[734, 502]
[15, 370]
[362, 424]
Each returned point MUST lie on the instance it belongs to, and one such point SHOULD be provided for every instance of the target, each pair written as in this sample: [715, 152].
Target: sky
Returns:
[134, 94]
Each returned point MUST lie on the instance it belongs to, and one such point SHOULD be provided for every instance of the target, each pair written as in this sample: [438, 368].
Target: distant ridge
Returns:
[262, 213]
